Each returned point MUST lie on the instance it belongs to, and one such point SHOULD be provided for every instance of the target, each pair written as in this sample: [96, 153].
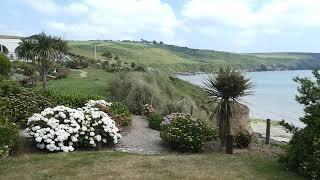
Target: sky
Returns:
[226, 25]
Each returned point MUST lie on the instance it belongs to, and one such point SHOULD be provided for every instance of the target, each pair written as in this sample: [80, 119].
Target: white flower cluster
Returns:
[63, 129]
[93, 103]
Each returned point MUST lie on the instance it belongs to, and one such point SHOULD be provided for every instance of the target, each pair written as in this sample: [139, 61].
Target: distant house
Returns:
[9, 45]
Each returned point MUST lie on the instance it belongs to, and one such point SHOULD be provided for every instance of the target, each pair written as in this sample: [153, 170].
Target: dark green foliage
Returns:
[154, 121]
[288, 127]
[72, 100]
[9, 134]
[187, 134]
[140, 68]
[120, 114]
[24, 68]
[5, 65]
[303, 151]
[243, 139]
[8, 87]
[225, 89]
[77, 64]
[19, 107]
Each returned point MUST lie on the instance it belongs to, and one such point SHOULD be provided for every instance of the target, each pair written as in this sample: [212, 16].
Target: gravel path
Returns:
[139, 138]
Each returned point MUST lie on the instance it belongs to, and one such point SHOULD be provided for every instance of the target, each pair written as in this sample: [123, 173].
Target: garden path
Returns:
[139, 138]
[83, 73]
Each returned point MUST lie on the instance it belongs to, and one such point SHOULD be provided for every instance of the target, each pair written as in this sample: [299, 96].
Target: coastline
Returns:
[277, 133]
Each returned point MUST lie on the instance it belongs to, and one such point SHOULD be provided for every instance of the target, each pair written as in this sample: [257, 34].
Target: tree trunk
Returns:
[222, 133]
[44, 77]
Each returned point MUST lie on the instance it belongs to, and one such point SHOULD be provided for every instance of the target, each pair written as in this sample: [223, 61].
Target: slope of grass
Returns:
[182, 59]
[96, 83]
[113, 165]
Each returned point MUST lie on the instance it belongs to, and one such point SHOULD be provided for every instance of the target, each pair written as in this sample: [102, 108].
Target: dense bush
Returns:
[154, 121]
[62, 72]
[187, 134]
[148, 110]
[77, 64]
[120, 114]
[303, 151]
[8, 137]
[243, 139]
[18, 107]
[5, 65]
[24, 68]
[173, 116]
[9, 87]
[69, 99]
[64, 129]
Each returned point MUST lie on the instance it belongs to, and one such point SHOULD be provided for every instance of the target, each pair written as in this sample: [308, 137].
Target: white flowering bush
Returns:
[64, 129]
[97, 127]
[95, 103]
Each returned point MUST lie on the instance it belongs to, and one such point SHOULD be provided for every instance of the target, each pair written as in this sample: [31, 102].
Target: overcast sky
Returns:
[228, 25]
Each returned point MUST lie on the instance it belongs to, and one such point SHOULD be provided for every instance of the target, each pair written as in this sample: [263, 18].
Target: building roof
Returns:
[10, 37]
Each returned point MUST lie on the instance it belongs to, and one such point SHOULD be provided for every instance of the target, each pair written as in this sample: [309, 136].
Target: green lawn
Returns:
[114, 165]
[96, 82]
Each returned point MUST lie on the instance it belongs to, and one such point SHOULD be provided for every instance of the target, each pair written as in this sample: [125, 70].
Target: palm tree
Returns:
[225, 88]
[43, 48]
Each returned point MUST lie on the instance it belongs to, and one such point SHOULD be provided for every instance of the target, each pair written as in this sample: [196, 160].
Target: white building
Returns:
[8, 46]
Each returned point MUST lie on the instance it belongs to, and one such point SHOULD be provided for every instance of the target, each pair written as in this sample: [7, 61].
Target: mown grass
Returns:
[96, 83]
[115, 165]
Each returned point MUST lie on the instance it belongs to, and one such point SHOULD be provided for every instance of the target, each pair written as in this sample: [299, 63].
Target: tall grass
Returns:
[166, 93]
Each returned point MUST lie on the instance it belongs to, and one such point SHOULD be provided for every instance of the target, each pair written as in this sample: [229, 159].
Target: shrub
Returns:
[68, 99]
[9, 87]
[63, 72]
[24, 68]
[5, 65]
[120, 114]
[18, 107]
[243, 139]
[8, 137]
[302, 154]
[171, 117]
[148, 110]
[154, 121]
[64, 129]
[187, 134]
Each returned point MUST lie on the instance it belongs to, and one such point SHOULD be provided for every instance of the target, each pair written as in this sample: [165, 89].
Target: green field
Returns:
[96, 83]
[114, 165]
[171, 58]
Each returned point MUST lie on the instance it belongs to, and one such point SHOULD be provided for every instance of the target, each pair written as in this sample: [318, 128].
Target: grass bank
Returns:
[96, 83]
[114, 165]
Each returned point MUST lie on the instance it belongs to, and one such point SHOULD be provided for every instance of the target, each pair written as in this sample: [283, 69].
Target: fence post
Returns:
[229, 144]
[191, 110]
[268, 132]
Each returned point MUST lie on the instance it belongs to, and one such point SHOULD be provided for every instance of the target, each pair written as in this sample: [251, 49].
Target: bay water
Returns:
[273, 94]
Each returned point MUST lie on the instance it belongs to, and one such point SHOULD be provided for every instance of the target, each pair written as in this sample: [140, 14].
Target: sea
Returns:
[273, 94]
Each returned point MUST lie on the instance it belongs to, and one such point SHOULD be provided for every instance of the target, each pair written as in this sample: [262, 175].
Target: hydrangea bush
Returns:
[64, 129]
[148, 109]
[188, 134]
[171, 117]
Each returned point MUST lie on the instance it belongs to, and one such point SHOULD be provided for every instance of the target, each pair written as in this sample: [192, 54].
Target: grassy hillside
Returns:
[171, 58]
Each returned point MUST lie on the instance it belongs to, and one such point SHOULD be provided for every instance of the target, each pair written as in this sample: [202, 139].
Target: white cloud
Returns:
[249, 19]
[118, 19]
[48, 7]
[255, 13]
[76, 8]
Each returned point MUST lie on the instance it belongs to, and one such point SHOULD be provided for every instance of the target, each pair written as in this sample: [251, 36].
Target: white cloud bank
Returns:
[242, 21]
